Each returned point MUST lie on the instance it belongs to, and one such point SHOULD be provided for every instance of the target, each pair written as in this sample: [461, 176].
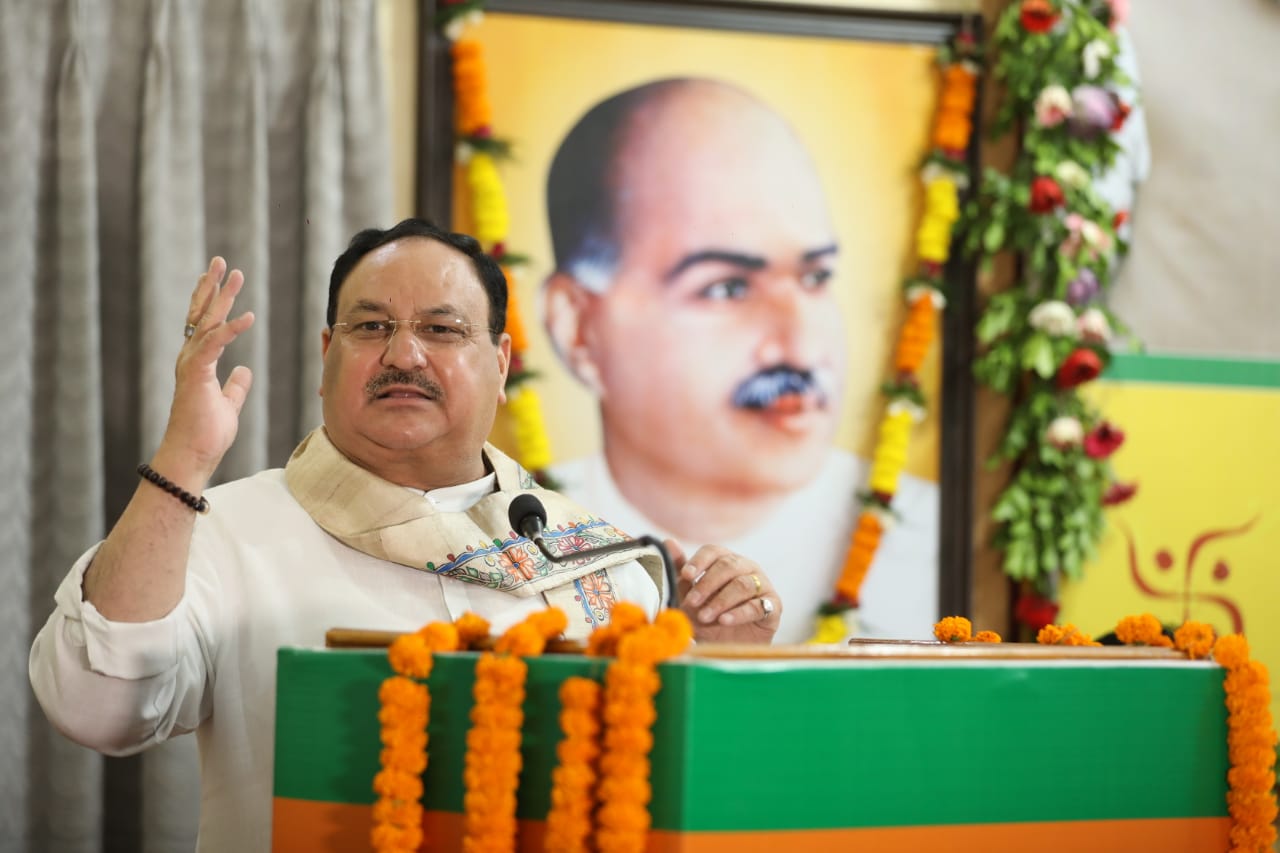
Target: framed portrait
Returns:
[718, 203]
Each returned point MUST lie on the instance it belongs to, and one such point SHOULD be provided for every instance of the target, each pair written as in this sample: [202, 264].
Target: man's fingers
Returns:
[702, 560]
[236, 390]
[753, 610]
[210, 344]
[708, 570]
[220, 306]
[722, 591]
[215, 338]
[206, 288]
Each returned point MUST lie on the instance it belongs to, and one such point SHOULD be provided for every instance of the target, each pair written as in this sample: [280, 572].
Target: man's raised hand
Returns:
[205, 414]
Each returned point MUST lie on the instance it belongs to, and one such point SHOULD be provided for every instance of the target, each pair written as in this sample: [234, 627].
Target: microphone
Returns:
[528, 517]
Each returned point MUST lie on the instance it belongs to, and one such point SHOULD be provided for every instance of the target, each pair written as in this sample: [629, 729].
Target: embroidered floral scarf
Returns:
[478, 546]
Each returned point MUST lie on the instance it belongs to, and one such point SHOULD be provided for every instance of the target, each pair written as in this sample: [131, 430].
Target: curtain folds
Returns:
[137, 138]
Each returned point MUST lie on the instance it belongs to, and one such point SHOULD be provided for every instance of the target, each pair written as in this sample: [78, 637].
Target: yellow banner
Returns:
[1201, 538]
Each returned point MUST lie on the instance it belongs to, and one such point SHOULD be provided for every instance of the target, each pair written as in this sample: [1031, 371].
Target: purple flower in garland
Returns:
[1083, 287]
[1093, 111]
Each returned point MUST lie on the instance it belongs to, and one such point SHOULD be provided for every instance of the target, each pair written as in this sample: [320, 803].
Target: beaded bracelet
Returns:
[199, 504]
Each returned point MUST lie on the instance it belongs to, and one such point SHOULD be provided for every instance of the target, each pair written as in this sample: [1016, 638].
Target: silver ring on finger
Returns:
[188, 330]
[767, 604]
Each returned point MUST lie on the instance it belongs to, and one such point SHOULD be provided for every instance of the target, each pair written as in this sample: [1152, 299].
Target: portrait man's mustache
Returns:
[773, 386]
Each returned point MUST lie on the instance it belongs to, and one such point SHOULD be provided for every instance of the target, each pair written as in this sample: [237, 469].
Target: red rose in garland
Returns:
[1102, 441]
[1046, 195]
[1038, 16]
[1078, 368]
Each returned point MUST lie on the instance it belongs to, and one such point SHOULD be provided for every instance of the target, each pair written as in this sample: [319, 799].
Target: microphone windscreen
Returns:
[524, 508]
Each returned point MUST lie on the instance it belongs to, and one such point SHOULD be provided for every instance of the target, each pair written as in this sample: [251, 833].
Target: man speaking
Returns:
[694, 295]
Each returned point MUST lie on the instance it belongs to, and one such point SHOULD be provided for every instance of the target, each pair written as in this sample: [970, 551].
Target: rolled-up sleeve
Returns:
[119, 687]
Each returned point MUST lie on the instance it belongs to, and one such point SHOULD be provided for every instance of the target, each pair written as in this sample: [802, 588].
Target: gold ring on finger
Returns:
[188, 330]
[759, 586]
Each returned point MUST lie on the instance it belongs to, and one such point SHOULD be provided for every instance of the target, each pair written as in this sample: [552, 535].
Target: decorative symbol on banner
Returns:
[1190, 591]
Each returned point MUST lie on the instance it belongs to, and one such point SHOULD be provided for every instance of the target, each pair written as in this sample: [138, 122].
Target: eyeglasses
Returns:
[431, 331]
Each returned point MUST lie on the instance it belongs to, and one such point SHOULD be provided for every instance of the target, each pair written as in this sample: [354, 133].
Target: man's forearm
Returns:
[139, 573]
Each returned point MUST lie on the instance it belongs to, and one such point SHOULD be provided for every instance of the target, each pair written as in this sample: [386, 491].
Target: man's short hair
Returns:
[581, 183]
[487, 269]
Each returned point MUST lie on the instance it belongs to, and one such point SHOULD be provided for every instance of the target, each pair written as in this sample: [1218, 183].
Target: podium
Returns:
[880, 747]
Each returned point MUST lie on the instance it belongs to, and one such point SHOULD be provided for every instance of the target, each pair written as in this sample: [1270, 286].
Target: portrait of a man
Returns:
[694, 295]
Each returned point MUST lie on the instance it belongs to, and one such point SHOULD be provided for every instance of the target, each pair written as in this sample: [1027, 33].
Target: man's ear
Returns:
[566, 309]
[504, 365]
[326, 339]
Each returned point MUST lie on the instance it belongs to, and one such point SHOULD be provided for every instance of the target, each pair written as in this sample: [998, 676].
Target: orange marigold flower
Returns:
[677, 627]
[986, 637]
[440, 636]
[471, 628]
[1231, 650]
[394, 785]
[1073, 636]
[1195, 639]
[580, 692]
[406, 756]
[551, 622]
[400, 692]
[603, 641]
[409, 655]
[1049, 635]
[1140, 630]
[521, 639]
[387, 836]
[953, 629]
[627, 615]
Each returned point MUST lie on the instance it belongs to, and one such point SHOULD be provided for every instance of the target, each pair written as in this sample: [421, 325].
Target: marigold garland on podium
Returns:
[877, 746]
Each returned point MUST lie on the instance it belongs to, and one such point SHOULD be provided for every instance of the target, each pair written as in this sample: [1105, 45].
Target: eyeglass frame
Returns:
[413, 324]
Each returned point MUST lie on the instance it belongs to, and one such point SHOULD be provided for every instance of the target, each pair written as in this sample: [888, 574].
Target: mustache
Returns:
[395, 376]
[763, 389]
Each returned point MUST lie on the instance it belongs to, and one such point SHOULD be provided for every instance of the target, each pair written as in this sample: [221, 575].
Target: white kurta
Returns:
[261, 575]
[802, 545]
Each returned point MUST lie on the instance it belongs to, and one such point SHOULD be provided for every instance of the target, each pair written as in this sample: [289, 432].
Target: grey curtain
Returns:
[1201, 274]
[138, 138]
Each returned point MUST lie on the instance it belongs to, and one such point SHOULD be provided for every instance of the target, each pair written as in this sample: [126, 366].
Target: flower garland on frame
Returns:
[944, 176]
[1049, 334]
[478, 154]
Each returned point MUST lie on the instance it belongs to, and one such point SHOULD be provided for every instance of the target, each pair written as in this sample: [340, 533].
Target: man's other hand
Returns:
[727, 597]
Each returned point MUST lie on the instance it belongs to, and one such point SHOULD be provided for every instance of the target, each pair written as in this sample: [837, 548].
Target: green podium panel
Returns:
[823, 754]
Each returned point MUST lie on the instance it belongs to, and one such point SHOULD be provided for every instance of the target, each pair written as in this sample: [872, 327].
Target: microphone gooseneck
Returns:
[528, 517]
